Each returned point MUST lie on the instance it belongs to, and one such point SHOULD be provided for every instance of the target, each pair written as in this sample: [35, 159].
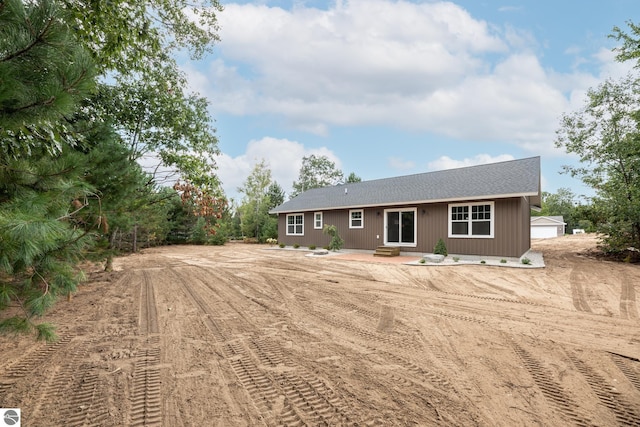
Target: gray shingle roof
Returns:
[496, 180]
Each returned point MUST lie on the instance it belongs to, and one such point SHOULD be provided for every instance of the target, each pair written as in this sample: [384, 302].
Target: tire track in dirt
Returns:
[148, 319]
[349, 315]
[145, 399]
[551, 389]
[434, 389]
[531, 319]
[415, 372]
[220, 333]
[628, 368]
[79, 383]
[261, 294]
[626, 414]
[146, 407]
[628, 308]
[484, 298]
[29, 363]
[405, 347]
[360, 305]
[318, 404]
[330, 269]
[292, 397]
[225, 288]
[87, 409]
[577, 279]
[326, 313]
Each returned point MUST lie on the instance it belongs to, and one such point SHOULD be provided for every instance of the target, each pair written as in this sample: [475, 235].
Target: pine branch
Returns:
[39, 39]
[41, 103]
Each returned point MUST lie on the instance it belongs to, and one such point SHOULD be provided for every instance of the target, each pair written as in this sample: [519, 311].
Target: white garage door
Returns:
[544, 232]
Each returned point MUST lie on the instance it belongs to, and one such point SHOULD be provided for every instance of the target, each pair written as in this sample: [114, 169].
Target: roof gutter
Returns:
[413, 202]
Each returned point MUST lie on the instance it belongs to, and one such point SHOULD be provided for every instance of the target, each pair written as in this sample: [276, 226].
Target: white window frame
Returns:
[317, 220]
[361, 219]
[470, 220]
[295, 225]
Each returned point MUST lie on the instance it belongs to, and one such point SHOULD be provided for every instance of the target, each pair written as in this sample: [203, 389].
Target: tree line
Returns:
[89, 91]
[104, 150]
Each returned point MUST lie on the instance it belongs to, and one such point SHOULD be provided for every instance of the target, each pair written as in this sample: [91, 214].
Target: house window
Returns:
[471, 220]
[295, 225]
[317, 220]
[356, 218]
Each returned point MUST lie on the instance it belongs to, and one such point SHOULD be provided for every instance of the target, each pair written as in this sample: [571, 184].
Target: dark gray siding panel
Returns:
[311, 236]
[510, 238]
[367, 238]
[511, 230]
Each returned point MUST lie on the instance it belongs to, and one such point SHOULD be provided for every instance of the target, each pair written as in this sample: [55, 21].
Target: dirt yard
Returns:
[243, 335]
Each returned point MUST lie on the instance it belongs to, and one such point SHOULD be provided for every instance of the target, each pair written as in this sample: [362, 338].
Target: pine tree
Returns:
[44, 225]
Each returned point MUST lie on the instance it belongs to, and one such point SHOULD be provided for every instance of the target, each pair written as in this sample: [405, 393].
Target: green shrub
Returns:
[526, 261]
[440, 248]
[296, 246]
[336, 242]
[503, 261]
[198, 235]
[456, 259]
[483, 262]
[312, 247]
[217, 239]
[282, 245]
[422, 261]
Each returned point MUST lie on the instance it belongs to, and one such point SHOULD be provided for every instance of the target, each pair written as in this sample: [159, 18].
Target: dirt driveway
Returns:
[242, 336]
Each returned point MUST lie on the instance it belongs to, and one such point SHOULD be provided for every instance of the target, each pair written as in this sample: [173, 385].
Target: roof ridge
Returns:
[437, 171]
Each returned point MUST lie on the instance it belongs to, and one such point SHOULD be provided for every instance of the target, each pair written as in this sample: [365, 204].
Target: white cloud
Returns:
[610, 68]
[446, 162]
[421, 66]
[282, 156]
[360, 62]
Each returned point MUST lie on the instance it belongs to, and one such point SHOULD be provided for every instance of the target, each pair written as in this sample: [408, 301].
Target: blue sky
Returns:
[387, 88]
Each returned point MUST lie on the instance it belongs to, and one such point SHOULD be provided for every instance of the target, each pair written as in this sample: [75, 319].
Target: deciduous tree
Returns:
[605, 134]
[316, 172]
[255, 205]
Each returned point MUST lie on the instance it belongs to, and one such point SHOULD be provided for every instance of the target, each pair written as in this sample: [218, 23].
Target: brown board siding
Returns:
[511, 230]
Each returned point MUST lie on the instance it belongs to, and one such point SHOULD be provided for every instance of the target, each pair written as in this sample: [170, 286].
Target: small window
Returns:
[295, 225]
[317, 220]
[471, 220]
[460, 220]
[356, 218]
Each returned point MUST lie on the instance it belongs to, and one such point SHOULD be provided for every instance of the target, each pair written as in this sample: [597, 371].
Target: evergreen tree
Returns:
[276, 195]
[45, 225]
[43, 74]
[353, 178]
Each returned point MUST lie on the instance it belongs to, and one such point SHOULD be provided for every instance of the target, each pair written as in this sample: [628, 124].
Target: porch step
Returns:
[387, 251]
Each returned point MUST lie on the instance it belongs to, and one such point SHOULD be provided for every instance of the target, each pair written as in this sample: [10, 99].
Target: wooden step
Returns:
[387, 251]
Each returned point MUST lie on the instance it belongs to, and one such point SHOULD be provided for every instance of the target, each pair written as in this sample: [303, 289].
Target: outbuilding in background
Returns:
[546, 227]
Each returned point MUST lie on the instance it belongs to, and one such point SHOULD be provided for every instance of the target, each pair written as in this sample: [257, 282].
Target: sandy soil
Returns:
[241, 336]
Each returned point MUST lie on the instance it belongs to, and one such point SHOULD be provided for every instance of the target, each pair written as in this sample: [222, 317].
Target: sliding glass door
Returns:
[400, 227]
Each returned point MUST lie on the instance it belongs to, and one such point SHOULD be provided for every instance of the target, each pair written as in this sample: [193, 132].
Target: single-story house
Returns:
[544, 227]
[477, 210]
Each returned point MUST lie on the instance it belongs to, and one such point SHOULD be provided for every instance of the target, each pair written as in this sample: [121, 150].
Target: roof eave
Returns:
[412, 202]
